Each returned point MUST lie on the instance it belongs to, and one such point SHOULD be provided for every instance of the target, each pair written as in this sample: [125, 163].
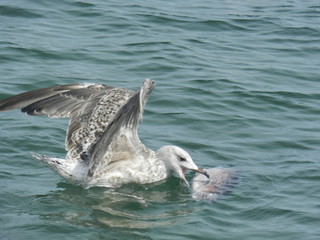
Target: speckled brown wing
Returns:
[90, 107]
[120, 142]
[87, 126]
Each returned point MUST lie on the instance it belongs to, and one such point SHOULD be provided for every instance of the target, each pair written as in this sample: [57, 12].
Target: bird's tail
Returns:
[70, 170]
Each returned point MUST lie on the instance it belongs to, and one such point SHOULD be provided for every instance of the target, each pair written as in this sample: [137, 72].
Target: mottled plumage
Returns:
[103, 147]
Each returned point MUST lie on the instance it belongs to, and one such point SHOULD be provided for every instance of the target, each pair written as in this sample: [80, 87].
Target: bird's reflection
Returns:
[129, 207]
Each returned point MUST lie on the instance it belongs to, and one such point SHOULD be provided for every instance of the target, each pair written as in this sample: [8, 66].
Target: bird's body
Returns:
[103, 147]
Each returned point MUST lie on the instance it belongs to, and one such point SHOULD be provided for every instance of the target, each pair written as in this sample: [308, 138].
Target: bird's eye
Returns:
[182, 159]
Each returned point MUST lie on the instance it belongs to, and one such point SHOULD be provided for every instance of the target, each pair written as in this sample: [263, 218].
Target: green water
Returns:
[237, 86]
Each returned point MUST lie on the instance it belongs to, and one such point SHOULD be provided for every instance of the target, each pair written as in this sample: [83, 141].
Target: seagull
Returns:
[102, 142]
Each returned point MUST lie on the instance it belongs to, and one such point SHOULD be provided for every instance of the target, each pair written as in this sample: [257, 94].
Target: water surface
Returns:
[237, 86]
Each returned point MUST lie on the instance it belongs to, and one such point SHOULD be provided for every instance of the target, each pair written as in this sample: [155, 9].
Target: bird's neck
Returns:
[163, 161]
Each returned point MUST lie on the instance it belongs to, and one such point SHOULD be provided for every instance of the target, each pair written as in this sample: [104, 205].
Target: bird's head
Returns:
[178, 161]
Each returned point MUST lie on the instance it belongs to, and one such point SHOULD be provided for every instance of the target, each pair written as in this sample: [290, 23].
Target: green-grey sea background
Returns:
[238, 85]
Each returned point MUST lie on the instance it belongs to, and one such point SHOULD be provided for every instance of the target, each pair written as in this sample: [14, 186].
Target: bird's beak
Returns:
[186, 182]
[202, 171]
[182, 175]
[198, 170]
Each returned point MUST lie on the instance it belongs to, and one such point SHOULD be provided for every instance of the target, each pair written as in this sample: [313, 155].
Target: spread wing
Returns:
[90, 107]
[120, 142]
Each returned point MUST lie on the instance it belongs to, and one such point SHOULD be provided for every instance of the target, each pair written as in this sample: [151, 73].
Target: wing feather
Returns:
[24, 99]
[120, 138]
[90, 107]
